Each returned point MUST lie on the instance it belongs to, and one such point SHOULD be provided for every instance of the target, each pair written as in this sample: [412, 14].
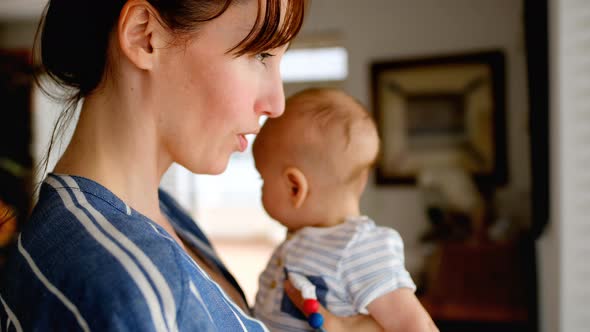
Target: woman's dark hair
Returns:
[71, 47]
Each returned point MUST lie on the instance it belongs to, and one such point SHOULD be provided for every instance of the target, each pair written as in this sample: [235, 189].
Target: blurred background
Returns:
[482, 107]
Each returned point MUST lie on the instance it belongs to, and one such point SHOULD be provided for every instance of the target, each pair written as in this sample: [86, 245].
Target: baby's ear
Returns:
[298, 186]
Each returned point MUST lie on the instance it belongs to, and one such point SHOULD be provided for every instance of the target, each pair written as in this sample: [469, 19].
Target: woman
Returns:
[160, 82]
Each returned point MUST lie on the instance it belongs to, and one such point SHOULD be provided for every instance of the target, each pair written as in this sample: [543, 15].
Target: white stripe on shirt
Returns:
[232, 306]
[51, 287]
[11, 316]
[136, 275]
[146, 263]
[239, 321]
[283, 323]
[195, 292]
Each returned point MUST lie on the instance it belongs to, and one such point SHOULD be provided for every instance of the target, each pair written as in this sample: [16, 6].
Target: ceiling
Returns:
[18, 10]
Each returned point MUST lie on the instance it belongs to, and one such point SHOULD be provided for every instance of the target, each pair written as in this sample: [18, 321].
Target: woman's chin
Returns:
[217, 168]
[217, 171]
[213, 167]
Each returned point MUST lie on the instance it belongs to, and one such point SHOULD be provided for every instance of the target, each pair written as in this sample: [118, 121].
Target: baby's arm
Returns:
[400, 310]
[378, 283]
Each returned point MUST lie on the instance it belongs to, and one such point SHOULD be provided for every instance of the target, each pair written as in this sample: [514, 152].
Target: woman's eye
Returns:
[263, 56]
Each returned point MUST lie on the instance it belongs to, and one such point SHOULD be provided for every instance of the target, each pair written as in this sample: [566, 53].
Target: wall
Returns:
[563, 248]
[386, 29]
[17, 34]
[20, 35]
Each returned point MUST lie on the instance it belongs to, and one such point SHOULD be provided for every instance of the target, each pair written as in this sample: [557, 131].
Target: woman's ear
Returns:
[138, 32]
[298, 186]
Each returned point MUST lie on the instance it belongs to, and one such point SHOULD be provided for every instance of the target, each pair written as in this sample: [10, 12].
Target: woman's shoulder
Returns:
[98, 285]
[73, 231]
[81, 227]
[82, 239]
[82, 256]
[71, 203]
[87, 258]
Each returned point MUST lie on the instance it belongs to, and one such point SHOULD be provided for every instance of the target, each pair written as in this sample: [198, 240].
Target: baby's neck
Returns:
[336, 213]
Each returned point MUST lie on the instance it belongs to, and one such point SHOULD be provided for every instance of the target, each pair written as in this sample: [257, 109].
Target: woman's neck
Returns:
[116, 144]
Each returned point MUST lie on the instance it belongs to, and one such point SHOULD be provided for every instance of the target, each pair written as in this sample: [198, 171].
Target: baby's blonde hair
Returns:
[323, 129]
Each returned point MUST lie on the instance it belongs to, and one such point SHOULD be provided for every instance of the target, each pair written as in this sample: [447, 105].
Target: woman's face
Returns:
[209, 99]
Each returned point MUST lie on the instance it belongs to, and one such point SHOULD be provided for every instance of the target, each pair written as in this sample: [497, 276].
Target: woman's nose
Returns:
[272, 103]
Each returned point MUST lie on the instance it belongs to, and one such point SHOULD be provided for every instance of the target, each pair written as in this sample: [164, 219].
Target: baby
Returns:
[314, 161]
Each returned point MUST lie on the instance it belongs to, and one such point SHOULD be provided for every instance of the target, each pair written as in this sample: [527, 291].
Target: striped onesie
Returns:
[350, 264]
[86, 261]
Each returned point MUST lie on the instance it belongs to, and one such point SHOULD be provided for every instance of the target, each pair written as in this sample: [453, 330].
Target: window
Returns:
[315, 64]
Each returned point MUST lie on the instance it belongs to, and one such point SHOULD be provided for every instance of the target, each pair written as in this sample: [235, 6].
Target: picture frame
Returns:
[440, 111]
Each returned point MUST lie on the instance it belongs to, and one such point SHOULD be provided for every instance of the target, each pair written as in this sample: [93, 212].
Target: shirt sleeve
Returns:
[373, 265]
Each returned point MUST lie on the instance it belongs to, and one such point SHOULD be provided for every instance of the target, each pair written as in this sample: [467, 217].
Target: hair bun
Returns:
[74, 40]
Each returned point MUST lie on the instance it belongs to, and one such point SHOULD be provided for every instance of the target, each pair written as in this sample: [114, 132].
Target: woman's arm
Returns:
[400, 310]
[332, 323]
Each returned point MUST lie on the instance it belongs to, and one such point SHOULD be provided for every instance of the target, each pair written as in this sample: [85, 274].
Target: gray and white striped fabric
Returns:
[350, 264]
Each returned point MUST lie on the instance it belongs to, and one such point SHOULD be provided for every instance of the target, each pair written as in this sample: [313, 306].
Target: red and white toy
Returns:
[310, 301]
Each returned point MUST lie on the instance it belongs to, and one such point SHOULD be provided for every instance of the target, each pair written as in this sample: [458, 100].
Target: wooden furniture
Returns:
[477, 283]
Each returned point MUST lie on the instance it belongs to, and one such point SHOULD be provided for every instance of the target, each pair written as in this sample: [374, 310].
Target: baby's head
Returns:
[314, 160]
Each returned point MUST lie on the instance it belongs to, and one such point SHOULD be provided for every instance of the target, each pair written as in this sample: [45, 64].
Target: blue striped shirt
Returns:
[350, 265]
[86, 261]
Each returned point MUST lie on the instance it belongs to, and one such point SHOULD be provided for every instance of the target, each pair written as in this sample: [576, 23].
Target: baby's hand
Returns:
[334, 323]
